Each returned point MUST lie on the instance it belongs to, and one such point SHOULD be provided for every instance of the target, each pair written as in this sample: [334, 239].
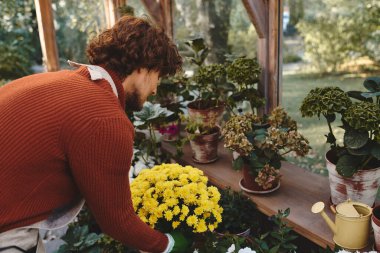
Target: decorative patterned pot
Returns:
[205, 147]
[361, 187]
[205, 113]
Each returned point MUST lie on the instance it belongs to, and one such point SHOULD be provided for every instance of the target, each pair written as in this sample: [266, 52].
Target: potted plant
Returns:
[238, 214]
[203, 136]
[261, 143]
[354, 164]
[170, 197]
[208, 84]
[244, 73]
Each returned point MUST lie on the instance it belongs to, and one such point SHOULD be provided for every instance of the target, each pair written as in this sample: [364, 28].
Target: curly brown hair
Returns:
[134, 43]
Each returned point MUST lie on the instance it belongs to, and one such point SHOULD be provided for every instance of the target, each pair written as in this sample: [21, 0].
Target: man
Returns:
[65, 136]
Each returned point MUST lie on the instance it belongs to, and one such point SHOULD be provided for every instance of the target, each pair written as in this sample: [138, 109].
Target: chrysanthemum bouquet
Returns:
[170, 196]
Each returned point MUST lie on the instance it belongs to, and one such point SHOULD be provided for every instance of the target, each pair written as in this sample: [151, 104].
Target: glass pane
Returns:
[327, 43]
[223, 23]
[76, 23]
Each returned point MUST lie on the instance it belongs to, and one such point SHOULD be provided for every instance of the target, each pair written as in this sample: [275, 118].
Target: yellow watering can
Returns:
[352, 223]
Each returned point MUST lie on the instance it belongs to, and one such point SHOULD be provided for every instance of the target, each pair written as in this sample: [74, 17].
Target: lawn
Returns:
[295, 88]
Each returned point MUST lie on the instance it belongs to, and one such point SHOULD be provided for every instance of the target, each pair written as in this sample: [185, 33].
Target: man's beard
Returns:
[133, 101]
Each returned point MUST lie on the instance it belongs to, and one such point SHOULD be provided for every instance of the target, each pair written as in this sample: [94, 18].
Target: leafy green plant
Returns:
[280, 238]
[79, 239]
[147, 145]
[238, 212]
[81, 235]
[245, 74]
[209, 84]
[263, 141]
[199, 50]
[360, 121]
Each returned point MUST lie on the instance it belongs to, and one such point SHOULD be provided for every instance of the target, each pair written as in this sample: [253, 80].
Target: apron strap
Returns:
[96, 73]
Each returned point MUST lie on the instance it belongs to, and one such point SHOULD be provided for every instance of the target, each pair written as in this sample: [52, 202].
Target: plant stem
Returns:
[153, 139]
[366, 162]
[286, 152]
[331, 131]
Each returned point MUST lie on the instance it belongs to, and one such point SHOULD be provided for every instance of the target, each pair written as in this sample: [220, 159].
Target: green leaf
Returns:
[261, 131]
[330, 138]
[238, 163]
[347, 165]
[375, 150]
[358, 95]
[286, 212]
[64, 249]
[150, 113]
[330, 117]
[260, 138]
[365, 150]
[93, 250]
[274, 249]
[371, 94]
[372, 84]
[355, 139]
[91, 239]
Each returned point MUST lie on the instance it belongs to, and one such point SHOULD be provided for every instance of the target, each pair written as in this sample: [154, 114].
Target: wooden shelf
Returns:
[299, 190]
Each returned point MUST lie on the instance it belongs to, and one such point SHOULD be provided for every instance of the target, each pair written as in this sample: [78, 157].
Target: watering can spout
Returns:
[319, 208]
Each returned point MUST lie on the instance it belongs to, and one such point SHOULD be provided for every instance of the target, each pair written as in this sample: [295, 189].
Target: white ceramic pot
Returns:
[361, 187]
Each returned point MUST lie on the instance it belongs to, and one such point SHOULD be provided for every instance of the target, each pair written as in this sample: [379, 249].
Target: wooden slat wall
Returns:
[46, 32]
[266, 16]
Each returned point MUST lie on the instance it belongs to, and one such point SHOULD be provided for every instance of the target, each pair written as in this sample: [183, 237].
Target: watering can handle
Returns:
[332, 207]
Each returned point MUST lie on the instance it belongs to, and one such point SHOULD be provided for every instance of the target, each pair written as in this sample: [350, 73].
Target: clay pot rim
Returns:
[220, 106]
[330, 151]
[374, 218]
[216, 132]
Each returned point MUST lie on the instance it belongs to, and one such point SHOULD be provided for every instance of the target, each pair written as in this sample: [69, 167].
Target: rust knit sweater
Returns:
[64, 136]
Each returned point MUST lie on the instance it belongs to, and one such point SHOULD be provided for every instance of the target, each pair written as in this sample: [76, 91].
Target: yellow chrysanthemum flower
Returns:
[192, 220]
[176, 194]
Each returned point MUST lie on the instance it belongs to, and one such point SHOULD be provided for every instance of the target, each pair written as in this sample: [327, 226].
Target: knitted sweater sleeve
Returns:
[100, 160]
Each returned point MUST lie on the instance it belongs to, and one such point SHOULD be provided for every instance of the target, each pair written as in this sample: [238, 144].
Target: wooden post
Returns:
[266, 16]
[46, 32]
[161, 11]
[274, 54]
[111, 9]
[167, 13]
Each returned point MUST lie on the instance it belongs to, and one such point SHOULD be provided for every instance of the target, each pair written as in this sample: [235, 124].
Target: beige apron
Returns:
[22, 239]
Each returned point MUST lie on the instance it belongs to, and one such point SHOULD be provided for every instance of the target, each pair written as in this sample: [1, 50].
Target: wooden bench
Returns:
[299, 190]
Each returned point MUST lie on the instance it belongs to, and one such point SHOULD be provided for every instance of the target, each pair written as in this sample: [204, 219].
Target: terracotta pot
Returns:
[205, 113]
[205, 147]
[361, 187]
[249, 182]
[376, 226]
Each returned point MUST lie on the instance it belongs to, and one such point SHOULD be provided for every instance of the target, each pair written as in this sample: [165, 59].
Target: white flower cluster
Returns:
[345, 251]
[231, 249]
